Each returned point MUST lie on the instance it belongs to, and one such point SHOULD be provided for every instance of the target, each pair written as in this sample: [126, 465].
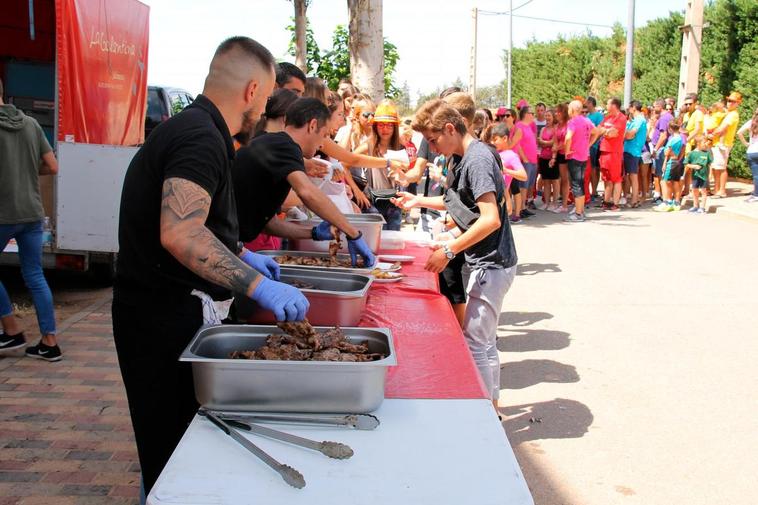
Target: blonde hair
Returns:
[463, 103]
[435, 114]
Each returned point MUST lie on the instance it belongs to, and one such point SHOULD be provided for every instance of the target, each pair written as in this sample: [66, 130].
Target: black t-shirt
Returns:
[431, 188]
[260, 179]
[479, 173]
[194, 145]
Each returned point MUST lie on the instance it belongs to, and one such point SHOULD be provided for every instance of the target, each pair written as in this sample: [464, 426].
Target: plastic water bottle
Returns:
[47, 232]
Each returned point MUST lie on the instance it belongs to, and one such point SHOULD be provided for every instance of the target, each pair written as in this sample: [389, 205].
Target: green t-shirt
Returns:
[701, 158]
[22, 144]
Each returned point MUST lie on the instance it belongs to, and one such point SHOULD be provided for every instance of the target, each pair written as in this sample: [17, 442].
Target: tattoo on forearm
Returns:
[184, 209]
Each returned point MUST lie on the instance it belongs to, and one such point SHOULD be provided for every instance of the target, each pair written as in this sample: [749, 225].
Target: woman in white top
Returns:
[752, 151]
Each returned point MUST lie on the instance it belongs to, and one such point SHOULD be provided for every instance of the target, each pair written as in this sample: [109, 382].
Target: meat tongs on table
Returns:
[289, 474]
[356, 421]
[333, 450]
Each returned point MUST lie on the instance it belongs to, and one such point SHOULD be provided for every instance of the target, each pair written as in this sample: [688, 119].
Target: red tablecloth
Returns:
[433, 358]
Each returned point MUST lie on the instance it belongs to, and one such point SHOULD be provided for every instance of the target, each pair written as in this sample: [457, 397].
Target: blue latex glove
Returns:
[358, 246]
[262, 263]
[285, 301]
[322, 231]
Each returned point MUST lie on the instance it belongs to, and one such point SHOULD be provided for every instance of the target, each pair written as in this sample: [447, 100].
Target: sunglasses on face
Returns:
[731, 101]
[367, 114]
[688, 104]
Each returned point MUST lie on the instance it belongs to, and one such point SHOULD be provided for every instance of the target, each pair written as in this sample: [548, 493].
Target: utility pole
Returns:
[510, 53]
[692, 38]
[472, 68]
[629, 69]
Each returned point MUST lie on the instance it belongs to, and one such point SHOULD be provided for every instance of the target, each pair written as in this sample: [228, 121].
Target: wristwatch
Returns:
[448, 253]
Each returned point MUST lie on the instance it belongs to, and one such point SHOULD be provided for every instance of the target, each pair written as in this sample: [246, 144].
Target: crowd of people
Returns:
[213, 185]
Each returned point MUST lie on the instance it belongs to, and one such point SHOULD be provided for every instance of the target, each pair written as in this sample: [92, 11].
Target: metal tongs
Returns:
[290, 475]
[355, 421]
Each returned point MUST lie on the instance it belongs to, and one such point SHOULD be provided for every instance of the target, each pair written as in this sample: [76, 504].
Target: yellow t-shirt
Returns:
[694, 124]
[713, 121]
[732, 120]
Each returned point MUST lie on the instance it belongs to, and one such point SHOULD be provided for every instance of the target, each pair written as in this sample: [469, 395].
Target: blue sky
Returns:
[433, 37]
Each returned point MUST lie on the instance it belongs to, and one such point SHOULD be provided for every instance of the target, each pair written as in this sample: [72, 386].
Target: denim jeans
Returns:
[752, 160]
[29, 239]
[392, 214]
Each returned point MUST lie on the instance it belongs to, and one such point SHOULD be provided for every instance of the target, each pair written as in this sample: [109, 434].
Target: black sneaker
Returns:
[46, 352]
[525, 214]
[10, 343]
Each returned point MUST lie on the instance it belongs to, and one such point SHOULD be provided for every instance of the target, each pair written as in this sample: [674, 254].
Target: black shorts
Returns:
[560, 159]
[515, 188]
[451, 281]
[547, 172]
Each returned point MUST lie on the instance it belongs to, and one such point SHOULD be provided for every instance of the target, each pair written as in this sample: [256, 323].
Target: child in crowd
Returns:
[673, 171]
[513, 169]
[697, 161]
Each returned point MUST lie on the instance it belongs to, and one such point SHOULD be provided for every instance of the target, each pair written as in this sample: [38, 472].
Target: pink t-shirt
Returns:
[510, 160]
[560, 137]
[547, 135]
[528, 142]
[581, 131]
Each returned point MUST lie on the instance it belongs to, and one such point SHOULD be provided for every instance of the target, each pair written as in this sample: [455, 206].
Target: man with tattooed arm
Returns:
[179, 258]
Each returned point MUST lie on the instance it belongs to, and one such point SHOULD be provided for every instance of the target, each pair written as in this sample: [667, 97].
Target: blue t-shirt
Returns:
[634, 145]
[596, 118]
[674, 143]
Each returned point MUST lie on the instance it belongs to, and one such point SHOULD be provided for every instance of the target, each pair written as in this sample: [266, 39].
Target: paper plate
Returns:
[394, 258]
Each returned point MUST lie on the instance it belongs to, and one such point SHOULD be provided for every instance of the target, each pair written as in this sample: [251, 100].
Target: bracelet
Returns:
[353, 239]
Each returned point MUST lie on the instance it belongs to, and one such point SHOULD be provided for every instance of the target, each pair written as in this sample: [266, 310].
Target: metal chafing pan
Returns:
[340, 256]
[368, 224]
[285, 386]
[338, 298]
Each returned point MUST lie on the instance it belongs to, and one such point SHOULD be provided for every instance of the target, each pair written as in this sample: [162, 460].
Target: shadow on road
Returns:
[537, 268]
[558, 418]
[522, 318]
[528, 372]
[533, 340]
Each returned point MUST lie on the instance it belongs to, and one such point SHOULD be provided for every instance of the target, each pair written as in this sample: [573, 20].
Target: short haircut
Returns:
[305, 110]
[592, 100]
[500, 130]
[636, 104]
[674, 125]
[286, 71]
[576, 106]
[660, 102]
[435, 114]
[463, 103]
[450, 91]
[616, 101]
[541, 104]
[248, 47]
[691, 96]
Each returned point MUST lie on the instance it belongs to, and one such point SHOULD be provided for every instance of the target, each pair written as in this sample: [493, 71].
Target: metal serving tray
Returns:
[284, 386]
[368, 224]
[338, 298]
[340, 256]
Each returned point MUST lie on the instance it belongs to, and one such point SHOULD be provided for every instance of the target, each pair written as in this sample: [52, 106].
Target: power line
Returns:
[579, 23]
[493, 13]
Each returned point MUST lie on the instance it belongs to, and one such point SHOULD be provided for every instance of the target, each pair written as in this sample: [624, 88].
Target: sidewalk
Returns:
[65, 433]
[735, 203]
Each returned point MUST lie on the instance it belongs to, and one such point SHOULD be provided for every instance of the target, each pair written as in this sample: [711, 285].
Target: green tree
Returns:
[334, 64]
[312, 51]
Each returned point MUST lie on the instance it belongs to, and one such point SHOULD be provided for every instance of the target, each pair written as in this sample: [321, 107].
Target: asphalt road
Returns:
[628, 346]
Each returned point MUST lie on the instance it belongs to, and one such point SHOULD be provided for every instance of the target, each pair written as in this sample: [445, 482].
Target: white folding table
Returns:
[440, 452]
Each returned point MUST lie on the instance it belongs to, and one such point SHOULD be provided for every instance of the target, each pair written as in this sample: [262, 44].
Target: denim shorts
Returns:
[531, 172]
[576, 174]
[699, 183]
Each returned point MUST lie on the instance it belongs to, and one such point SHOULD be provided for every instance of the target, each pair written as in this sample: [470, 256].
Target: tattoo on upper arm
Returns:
[184, 209]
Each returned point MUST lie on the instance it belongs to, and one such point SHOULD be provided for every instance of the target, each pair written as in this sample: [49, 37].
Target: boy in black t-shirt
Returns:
[475, 200]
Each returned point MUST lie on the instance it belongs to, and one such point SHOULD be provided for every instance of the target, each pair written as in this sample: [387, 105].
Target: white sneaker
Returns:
[622, 201]
[752, 199]
[540, 204]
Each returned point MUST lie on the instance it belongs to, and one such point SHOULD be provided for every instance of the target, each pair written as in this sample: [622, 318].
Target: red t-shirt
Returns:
[616, 144]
